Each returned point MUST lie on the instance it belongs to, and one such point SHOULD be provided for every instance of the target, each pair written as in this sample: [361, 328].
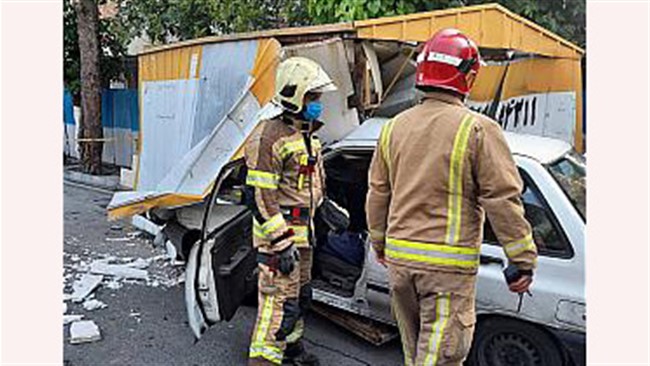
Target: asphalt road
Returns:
[144, 322]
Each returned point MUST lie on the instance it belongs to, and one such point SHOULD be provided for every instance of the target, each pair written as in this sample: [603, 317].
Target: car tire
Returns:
[504, 342]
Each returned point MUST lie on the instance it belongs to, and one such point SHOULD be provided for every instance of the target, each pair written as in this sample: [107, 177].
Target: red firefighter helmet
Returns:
[449, 60]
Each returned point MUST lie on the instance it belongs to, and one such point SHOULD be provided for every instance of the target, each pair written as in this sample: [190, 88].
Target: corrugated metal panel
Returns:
[225, 71]
[491, 26]
[68, 108]
[556, 83]
[263, 73]
[120, 108]
[173, 64]
[168, 109]
[527, 76]
[120, 123]
[172, 171]
[330, 54]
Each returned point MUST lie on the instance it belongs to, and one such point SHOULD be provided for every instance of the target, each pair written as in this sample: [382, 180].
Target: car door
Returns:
[556, 276]
[220, 267]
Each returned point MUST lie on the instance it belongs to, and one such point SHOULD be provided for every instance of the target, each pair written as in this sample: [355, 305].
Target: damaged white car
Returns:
[548, 329]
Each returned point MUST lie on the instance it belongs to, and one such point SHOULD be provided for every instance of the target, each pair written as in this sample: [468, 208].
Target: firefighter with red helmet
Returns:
[437, 171]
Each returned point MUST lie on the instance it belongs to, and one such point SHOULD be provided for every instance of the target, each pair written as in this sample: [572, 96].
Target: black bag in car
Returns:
[347, 246]
[336, 272]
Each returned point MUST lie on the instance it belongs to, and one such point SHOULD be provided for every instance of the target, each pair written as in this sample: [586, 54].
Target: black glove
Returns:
[512, 273]
[287, 259]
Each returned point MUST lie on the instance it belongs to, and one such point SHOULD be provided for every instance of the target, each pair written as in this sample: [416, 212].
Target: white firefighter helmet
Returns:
[296, 76]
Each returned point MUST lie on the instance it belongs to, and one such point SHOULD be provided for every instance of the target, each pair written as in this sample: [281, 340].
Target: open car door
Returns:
[220, 267]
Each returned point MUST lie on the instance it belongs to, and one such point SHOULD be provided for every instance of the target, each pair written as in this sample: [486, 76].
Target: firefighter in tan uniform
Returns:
[437, 170]
[284, 185]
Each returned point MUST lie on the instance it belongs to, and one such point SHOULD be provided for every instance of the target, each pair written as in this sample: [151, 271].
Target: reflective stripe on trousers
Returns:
[259, 347]
[437, 333]
[440, 254]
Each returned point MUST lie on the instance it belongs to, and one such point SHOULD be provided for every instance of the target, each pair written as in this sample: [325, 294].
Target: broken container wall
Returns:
[167, 96]
[540, 96]
[339, 119]
[225, 70]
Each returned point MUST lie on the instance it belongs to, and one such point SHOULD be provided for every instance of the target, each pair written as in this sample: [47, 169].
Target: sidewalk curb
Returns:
[110, 182]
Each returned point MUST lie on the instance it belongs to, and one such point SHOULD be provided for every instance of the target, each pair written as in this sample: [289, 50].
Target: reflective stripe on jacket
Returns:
[436, 169]
[274, 155]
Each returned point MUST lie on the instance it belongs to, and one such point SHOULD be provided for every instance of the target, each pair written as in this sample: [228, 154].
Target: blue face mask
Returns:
[312, 110]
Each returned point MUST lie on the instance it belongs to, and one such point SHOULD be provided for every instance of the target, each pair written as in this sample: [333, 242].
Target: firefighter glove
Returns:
[287, 259]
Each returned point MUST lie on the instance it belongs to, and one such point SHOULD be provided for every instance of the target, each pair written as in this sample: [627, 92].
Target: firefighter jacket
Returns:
[438, 167]
[283, 182]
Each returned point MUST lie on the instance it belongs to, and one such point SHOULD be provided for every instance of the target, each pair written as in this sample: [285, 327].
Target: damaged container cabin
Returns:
[199, 99]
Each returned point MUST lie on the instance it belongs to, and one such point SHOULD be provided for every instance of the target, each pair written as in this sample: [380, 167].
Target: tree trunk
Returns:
[91, 144]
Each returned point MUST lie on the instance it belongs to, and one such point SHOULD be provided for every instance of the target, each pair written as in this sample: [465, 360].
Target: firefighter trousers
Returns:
[283, 301]
[436, 327]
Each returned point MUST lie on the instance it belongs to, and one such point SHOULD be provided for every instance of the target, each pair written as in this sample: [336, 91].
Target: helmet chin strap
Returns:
[470, 78]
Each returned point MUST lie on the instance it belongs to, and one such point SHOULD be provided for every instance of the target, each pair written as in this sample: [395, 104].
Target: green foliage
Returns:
[112, 40]
[71, 57]
[165, 21]
[332, 11]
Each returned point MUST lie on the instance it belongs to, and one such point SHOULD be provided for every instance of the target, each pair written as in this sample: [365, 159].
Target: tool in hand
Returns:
[521, 299]
[512, 274]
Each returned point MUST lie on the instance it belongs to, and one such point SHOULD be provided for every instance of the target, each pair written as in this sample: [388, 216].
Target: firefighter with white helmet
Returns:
[437, 170]
[284, 185]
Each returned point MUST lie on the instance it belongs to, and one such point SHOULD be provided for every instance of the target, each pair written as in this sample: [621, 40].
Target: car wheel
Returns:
[509, 342]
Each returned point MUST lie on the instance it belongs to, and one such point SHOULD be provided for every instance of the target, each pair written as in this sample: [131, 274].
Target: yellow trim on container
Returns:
[173, 64]
[263, 72]
[271, 33]
[490, 25]
[166, 200]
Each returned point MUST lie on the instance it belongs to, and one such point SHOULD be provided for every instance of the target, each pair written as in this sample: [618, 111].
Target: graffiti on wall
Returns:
[543, 114]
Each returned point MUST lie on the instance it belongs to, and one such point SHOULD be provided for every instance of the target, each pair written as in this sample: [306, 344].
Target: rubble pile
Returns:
[85, 273]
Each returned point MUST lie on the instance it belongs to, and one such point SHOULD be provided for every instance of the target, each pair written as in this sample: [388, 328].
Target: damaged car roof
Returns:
[543, 149]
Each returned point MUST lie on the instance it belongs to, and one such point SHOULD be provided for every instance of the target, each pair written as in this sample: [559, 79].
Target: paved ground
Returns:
[144, 322]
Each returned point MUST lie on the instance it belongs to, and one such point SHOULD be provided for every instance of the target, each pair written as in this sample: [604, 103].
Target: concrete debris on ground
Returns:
[84, 331]
[84, 286]
[86, 270]
[72, 318]
[171, 250]
[118, 239]
[139, 263]
[94, 304]
[114, 285]
[118, 270]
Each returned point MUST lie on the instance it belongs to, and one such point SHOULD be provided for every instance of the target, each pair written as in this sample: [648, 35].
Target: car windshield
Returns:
[570, 172]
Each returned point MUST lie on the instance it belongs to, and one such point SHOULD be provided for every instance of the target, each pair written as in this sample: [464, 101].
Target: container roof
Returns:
[489, 25]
